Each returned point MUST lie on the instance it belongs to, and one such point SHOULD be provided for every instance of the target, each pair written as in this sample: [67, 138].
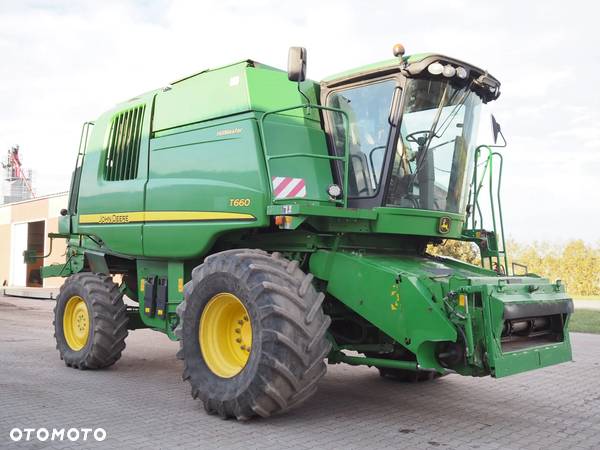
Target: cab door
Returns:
[113, 179]
[370, 106]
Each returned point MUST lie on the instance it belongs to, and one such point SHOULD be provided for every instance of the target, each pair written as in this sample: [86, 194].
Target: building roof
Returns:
[35, 199]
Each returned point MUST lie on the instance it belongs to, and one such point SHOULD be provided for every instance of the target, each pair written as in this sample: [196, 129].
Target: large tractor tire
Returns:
[90, 321]
[252, 334]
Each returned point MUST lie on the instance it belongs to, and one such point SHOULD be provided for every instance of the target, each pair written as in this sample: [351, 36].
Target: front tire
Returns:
[252, 334]
[90, 321]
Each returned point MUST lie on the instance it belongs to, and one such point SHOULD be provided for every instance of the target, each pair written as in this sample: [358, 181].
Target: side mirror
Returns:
[297, 64]
[496, 129]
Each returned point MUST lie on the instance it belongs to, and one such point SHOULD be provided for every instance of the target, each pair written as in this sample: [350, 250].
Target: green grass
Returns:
[585, 321]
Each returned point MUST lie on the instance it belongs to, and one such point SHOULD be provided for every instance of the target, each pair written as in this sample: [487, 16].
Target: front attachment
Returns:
[515, 324]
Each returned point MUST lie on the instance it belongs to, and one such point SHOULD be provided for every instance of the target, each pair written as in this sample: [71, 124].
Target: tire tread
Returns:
[109, 321]
[288, 370]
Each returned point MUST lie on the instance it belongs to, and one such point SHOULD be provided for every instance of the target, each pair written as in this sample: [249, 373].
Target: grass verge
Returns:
[585, 321]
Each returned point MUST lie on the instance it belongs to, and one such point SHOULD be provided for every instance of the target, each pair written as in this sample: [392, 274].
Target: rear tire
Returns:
[90, 321]
[288, 343]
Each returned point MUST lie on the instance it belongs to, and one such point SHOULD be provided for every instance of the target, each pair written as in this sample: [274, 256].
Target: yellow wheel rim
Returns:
[225, 335]
[76, 323]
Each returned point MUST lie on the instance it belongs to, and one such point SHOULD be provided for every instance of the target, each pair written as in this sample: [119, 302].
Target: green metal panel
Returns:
[389, 292]
[148, 268]
[287, 135]
[205, 169]
[210, 94]
[270, 90]
[174, 273]
[224, 92]
[104, 201]
[532, 358]
[417, 222]
[404, 221]
[64, 224]
[410, 298]
[528, 291]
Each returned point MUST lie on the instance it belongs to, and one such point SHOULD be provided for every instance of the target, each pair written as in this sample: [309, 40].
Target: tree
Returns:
[576, 263]
[461, 250]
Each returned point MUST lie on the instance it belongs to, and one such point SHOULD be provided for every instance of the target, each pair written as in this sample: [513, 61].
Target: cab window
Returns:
[368, 109]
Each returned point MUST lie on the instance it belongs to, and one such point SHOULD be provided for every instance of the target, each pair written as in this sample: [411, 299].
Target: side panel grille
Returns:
[123, 150]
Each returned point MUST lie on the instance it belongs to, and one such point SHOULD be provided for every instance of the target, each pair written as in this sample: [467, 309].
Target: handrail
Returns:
[76, 178]
[344, 159]
[476, 187]
[498, 198]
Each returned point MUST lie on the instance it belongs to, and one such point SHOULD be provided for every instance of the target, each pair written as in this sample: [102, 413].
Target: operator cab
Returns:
[412, 126]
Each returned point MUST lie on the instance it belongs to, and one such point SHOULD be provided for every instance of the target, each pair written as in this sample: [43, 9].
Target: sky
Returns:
[63, 63]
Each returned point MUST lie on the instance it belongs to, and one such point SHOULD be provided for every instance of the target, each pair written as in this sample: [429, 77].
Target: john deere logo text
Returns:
[114, 218]
[444, 225]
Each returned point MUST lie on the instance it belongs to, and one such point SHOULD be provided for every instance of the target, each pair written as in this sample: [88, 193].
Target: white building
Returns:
[25, 226]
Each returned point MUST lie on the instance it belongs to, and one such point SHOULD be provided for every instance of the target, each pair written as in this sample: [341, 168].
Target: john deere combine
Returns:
[271, 223]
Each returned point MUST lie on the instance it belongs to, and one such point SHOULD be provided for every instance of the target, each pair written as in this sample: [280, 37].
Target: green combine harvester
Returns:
[270, 223]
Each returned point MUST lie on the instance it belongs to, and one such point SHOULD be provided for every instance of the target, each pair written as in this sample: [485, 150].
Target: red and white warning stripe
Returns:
[287, 187]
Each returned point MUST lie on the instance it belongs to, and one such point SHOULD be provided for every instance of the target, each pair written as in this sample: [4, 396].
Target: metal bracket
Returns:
[97, 262]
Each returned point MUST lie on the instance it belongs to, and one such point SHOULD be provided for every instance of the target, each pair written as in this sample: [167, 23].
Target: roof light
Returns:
[399, 50]
[449, 71]
[461, 72]
[435, 68]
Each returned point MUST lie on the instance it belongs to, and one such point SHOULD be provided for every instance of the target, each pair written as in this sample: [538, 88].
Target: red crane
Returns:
[15, 168]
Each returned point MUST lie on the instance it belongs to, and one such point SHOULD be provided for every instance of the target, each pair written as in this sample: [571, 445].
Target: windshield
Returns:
[368, 109]
[434, 155]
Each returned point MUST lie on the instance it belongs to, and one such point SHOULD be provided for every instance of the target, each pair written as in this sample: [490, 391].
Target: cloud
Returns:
[65, 62]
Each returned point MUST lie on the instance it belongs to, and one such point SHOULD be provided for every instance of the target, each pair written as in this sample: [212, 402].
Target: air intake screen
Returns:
[123, 151]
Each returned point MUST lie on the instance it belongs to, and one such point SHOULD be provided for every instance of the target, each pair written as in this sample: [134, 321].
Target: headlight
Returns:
[334, 191]
[449, 71]
[435, 68]
[461, 72]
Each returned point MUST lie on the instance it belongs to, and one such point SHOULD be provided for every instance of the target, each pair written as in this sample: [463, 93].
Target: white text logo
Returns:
[57, 434]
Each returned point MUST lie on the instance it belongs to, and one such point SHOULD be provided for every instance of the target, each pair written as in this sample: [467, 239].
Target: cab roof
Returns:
[485, 85]
[375, 67]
